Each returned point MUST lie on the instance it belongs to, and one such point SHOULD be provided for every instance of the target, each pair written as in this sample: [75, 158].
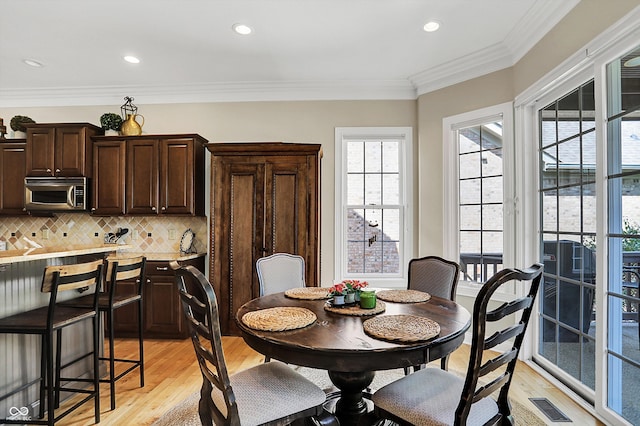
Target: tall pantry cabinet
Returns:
[264, 200]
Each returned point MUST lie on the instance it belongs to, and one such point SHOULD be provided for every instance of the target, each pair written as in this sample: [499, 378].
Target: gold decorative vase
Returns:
[131, 127]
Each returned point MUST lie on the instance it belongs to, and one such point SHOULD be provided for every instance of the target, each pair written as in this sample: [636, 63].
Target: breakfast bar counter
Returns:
[31, 254]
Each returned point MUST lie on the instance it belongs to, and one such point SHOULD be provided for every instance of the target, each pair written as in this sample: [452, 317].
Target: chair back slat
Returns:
[200, 307]
[491, 387]
[121, 269]
[70, 277]
[503, 335]
[514, 330]
[496, 362]
[509, 308]
[434, 275]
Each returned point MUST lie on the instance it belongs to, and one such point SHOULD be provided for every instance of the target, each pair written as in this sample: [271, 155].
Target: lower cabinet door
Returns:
[162, 308]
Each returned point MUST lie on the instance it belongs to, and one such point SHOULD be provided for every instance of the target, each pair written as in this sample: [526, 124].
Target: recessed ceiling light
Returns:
[633, 62]
[242, 29]
[431, 26]
[33, 63]
[132, 59]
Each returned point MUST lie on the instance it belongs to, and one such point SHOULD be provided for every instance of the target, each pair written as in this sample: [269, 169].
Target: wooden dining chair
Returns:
[267, 394]
[438, 277]
[435, 396]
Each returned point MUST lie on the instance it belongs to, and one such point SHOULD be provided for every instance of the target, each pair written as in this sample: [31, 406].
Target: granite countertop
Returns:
[26, 255]
[157, 256]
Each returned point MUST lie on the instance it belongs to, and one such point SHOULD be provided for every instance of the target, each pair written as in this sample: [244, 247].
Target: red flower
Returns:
[337, 289]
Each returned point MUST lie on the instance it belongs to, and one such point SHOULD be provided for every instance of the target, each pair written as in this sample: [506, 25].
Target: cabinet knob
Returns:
[153, 209]
[48, 170]
[93, 209]
[163, 208]
[162, 268]
[57, 171]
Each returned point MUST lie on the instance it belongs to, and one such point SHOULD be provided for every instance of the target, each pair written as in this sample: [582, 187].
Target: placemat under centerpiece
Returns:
[355, 309]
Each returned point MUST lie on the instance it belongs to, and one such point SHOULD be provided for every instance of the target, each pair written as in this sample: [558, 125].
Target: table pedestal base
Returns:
[351, 408]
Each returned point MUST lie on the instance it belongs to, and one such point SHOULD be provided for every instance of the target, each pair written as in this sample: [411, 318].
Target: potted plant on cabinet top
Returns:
[17, 124]
[111, 123]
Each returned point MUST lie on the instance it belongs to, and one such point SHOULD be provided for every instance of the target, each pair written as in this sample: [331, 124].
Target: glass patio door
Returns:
[570, 246]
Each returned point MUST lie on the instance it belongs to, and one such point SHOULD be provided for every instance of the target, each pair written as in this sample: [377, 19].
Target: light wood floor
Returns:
[172, 374]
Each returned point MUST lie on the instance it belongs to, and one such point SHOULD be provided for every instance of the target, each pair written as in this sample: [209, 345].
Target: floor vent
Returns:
[550, 410]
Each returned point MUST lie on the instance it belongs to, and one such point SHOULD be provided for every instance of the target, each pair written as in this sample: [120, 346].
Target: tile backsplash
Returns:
[146, 234]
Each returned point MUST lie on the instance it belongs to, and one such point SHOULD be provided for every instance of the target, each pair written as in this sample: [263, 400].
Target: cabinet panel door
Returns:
[163, 312]
[40, 151]
[142, 176]
[177, 177]
[238, 198]
[70, 155]
[12, 173]
[108, 178]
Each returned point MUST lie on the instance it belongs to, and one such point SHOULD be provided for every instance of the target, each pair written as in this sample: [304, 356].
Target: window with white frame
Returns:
[479, 185]
[373, 215]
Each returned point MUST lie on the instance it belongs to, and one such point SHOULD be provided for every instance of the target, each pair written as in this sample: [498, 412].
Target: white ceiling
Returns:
[300, 49]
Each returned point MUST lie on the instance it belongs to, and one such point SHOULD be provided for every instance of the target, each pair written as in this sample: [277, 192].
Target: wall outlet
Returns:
[172, 234]
[134, 234]
[45, 234]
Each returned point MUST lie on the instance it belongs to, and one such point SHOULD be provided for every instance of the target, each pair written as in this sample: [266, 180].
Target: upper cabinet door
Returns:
[177, 190]
[41, 151]
[108, 181]
[142, 177]
[71, 152]
[12, 173]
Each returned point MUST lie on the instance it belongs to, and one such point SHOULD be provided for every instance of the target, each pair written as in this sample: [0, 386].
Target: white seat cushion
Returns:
[270, 391]
[430, 397]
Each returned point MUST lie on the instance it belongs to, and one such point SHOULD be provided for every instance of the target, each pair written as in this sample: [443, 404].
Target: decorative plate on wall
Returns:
[186, 242]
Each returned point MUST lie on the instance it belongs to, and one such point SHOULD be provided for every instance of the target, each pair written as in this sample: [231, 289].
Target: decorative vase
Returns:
[349, 298]
[338, 300]
[131, 127]
[17, 134]
[111, 132]
[357, 295]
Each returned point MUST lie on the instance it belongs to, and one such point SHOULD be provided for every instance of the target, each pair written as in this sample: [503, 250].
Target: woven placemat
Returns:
[403, 296]
[307, 293]
[401, 328]
[355, 310]
[279, 319]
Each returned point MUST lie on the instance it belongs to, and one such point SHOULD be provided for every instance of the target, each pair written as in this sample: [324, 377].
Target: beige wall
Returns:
[313, 122]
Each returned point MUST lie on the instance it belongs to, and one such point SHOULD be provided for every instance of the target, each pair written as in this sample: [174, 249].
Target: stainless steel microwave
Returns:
[55, 193]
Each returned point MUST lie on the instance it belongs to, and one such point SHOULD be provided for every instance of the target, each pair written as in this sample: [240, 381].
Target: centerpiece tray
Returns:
[354, 309]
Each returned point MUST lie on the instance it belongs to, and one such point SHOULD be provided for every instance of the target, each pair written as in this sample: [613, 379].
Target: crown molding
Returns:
[211, 92]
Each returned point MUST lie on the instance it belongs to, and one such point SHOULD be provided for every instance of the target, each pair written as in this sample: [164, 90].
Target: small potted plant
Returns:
[338, 291]
[354, 287]
[17, 124]
[111, 123]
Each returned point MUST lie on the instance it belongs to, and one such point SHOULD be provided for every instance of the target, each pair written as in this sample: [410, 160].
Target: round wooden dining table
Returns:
[338, 343]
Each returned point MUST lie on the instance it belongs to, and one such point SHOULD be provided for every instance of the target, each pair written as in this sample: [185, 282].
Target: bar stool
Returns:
[117, 271]
[53, 318]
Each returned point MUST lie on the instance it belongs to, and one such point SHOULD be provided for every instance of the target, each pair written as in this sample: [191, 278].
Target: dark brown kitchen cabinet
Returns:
[164, 174]
[60, 149]
[264, 199]
[163, 317]
[109, 170]
[12, 174]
